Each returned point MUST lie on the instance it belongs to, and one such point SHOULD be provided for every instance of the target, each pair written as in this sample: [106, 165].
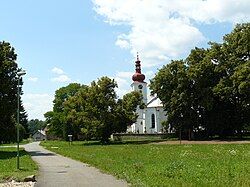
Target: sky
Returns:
[59, 42]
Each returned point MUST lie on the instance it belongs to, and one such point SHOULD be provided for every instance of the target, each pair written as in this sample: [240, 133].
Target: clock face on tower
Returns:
[140, 86]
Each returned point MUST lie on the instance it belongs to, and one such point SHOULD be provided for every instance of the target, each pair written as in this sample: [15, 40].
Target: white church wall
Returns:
[159, 117]
[148, 122]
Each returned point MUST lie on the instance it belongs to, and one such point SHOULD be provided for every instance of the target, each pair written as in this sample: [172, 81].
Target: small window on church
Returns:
[152, 121]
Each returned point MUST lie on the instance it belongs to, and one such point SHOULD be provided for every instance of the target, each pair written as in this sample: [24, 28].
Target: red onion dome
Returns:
[138, 76]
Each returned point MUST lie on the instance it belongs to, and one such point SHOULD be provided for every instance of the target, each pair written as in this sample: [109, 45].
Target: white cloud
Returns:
[149, 74]
[123, 86]
[122, 42]
[57, 71]
[123, 80]
[161, 30]
[37, 104]
[124, 74]
[210, 11]
[33, 79]
[61, 78]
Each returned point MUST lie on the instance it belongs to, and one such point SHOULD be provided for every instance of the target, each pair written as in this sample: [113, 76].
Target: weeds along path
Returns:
[56, 170]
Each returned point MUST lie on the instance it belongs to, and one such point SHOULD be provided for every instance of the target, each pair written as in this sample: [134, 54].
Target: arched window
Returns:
[152, 121]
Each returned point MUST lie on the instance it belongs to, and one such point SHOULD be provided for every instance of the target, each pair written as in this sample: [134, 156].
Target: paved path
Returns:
[59, 171]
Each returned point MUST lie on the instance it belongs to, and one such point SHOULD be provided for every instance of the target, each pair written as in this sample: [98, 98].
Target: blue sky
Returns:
[63, 41]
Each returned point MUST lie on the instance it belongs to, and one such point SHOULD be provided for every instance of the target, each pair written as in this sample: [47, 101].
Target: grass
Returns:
[8, 169]
[165, 165]
[25, 141]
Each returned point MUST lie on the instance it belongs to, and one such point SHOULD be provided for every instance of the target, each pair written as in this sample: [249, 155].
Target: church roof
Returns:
[154, 102]
[41, 132]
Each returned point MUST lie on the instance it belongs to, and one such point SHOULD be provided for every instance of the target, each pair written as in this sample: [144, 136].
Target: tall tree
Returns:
[8, 93]
[56, 118]
[233, 57]
[173, 87]
[98, 113]
[210, 89]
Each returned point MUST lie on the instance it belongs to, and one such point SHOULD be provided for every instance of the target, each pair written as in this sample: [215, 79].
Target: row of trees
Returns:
[92, 111]
[209, 91]
[8, 96]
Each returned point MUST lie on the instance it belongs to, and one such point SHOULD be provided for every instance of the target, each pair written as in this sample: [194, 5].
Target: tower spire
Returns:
[137, 55]
[138, 76]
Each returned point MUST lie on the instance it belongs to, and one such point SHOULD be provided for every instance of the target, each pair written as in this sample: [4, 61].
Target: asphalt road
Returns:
[58, 171]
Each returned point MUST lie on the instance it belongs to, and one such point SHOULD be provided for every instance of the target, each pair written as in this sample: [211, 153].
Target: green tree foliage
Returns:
[56, 118]
[97, 111]
[172, 86]
[94, 111]
[8, 94]
[92, 108]
[23, 120]
[209, 90]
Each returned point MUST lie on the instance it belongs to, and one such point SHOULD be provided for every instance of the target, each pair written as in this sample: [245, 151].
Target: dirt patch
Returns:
[202, 142]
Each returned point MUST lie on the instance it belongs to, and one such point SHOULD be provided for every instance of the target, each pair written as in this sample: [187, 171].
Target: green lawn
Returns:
[165, 165]
[8, 169]
[25, 141]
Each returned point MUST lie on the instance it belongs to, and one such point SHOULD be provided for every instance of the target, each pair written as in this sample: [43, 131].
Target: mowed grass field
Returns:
[165, 165]
[8, 166]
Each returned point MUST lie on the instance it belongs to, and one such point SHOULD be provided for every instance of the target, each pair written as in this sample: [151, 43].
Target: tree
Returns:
[8, 93]
[97, 111]
[173, 86]
[233, 86]
[56, 118]
[23, 120]
[209, 90]
[55, 123]
[126, 110]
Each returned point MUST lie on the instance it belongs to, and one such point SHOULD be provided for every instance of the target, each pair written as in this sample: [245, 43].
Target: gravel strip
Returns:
[19, 184]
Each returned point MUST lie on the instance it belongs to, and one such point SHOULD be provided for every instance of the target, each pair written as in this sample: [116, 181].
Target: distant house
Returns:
[39, 135]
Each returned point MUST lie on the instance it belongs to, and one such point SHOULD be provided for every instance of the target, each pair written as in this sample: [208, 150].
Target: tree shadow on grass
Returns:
[4, 154]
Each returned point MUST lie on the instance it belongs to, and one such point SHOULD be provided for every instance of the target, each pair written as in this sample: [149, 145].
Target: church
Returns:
[150, 118]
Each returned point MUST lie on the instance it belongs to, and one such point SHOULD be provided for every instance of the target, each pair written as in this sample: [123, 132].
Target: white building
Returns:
[39, 135]
[150, 118]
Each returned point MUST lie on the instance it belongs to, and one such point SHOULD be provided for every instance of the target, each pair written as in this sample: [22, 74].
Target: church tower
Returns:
[141, 86]
[138, 80]
[150, 118]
